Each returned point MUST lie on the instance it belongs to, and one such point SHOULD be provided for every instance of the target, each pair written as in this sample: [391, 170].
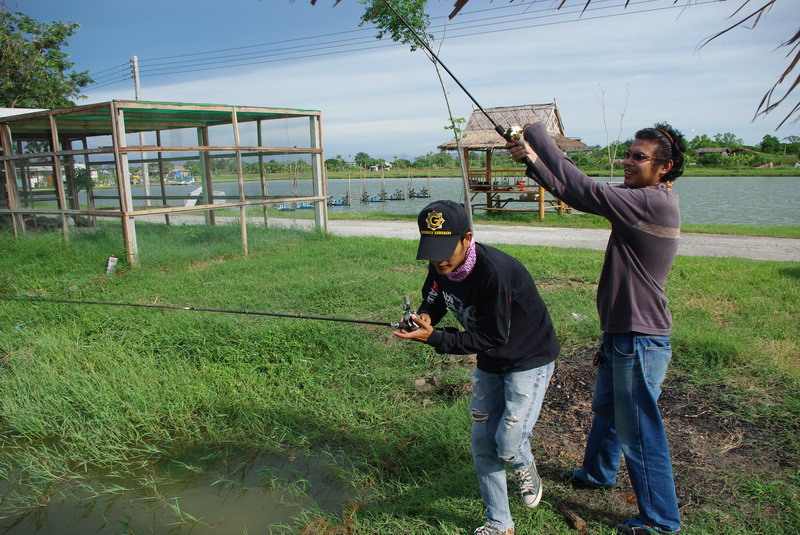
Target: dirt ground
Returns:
[713, 452]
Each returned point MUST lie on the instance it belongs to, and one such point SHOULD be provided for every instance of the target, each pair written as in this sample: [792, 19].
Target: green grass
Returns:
[92, 388]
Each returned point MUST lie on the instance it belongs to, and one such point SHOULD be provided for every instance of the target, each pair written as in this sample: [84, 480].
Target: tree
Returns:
[771, 145]
[728, 140]
[413, 11]
[34, 71]
[364, 160]
[701, 142]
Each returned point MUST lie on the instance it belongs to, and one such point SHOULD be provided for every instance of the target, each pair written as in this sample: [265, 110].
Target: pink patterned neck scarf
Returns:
[463, 271]
[663, 186]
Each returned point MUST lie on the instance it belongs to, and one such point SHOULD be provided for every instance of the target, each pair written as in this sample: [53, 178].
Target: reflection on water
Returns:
[246, 494]
[761, 201]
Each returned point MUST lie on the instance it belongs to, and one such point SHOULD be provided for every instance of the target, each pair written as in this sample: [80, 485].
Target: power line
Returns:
[543, 16]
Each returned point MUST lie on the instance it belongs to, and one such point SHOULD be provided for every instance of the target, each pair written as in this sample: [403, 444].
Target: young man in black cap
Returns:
[507, 324]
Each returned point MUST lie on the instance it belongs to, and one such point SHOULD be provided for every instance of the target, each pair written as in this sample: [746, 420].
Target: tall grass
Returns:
[94, 387]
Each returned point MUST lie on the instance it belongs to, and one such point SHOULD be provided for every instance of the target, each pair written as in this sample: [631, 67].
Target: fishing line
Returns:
[404, 324]
[506, 133]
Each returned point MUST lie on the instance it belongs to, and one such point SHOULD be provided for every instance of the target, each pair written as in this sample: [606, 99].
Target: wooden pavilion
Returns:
[505, 188]
[118, 140]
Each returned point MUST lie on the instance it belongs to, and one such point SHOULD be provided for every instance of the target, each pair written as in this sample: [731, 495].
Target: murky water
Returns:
[761, 201]
[241, 495]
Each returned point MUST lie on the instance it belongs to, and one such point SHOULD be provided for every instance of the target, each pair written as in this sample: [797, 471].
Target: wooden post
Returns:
[261, 171]
[11, 182]
[161, 176]
[318, 175]
[123, 184]
[542, 193]
[58, 178]
[25, 180]
[242, 208]
[205, 171]
[90, 192]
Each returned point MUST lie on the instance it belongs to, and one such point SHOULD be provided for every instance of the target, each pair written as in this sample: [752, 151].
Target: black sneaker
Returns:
[573, 479]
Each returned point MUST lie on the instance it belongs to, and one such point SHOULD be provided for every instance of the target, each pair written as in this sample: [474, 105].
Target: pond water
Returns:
[760, 201]
[235, 496]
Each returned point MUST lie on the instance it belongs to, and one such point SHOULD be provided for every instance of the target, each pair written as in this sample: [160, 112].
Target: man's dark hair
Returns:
[671, 146]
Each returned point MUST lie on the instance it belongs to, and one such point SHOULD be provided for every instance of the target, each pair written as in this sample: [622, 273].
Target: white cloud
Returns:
[388, 101]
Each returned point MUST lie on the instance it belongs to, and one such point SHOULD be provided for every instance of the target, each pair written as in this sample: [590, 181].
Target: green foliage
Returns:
[701, 142]
[82, 179]
[770, 144]
[457, 127]
[34, 71]
[728, 140]
[387, 21]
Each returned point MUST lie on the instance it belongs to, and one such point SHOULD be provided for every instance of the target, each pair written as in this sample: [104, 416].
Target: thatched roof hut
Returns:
[480, 135]
[506, 188]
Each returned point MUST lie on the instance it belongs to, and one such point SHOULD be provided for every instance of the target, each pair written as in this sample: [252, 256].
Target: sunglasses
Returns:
[640, 156]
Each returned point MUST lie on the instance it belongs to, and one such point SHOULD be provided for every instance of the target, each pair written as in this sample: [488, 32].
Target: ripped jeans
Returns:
[504, 408]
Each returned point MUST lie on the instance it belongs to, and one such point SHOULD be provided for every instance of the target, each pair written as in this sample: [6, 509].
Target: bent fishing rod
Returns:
[509, 134]
[406, 323]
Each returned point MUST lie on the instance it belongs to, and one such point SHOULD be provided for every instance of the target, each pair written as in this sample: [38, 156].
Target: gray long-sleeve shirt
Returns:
[645, 227]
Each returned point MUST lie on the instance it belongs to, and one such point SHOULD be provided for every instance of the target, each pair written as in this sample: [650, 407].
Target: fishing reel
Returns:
[513, 133]
[406, 323]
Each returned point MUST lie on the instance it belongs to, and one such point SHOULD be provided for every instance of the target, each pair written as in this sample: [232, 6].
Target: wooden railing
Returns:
[504, 187]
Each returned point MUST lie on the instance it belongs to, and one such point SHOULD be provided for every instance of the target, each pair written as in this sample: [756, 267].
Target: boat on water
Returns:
[398, 195]
[422, 194]
[305, 205]
[365, 197]
[284, 207]
[344, 201]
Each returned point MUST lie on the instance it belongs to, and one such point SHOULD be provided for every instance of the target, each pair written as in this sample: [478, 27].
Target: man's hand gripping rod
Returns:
[406, 324]
[509, 134]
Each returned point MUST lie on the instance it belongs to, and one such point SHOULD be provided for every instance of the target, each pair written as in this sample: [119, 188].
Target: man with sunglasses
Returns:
[636, 323]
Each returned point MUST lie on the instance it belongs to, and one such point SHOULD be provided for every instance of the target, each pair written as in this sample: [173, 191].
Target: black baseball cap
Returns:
[441, 226]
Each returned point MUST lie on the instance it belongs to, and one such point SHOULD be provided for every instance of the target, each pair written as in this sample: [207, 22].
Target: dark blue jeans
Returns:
[627, 421]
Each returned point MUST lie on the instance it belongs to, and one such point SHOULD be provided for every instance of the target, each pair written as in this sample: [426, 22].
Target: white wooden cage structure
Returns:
[115, 146]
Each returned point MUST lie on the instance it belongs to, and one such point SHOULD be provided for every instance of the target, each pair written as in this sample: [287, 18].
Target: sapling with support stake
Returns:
[509, 134]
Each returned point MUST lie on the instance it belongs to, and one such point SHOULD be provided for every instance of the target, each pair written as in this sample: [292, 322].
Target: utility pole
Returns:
[145, 171]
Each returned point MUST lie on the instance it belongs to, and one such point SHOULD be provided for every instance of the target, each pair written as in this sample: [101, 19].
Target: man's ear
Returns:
[667, 167]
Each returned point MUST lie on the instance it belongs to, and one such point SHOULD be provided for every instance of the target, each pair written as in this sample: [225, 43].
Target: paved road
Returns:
[690, 244]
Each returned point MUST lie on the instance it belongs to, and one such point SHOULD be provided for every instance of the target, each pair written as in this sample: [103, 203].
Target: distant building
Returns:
[725, 151]
[480, 135]
[509, 189]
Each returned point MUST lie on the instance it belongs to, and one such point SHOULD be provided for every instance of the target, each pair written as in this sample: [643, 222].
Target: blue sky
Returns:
[382, 99]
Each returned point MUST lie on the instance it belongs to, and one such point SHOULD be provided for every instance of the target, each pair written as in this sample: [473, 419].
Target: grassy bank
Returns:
[120, 389]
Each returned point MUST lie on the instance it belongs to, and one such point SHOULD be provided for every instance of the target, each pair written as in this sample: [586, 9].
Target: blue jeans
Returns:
[504, 408]
[627, 421]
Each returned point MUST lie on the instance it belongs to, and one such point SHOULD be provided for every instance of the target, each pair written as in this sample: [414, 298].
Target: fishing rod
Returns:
[509, 134]
[406, 323]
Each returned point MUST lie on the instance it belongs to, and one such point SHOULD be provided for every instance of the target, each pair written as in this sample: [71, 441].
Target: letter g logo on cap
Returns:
[435, 220]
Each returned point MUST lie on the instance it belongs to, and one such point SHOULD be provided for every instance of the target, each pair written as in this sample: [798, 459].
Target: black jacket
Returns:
[504, 318]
